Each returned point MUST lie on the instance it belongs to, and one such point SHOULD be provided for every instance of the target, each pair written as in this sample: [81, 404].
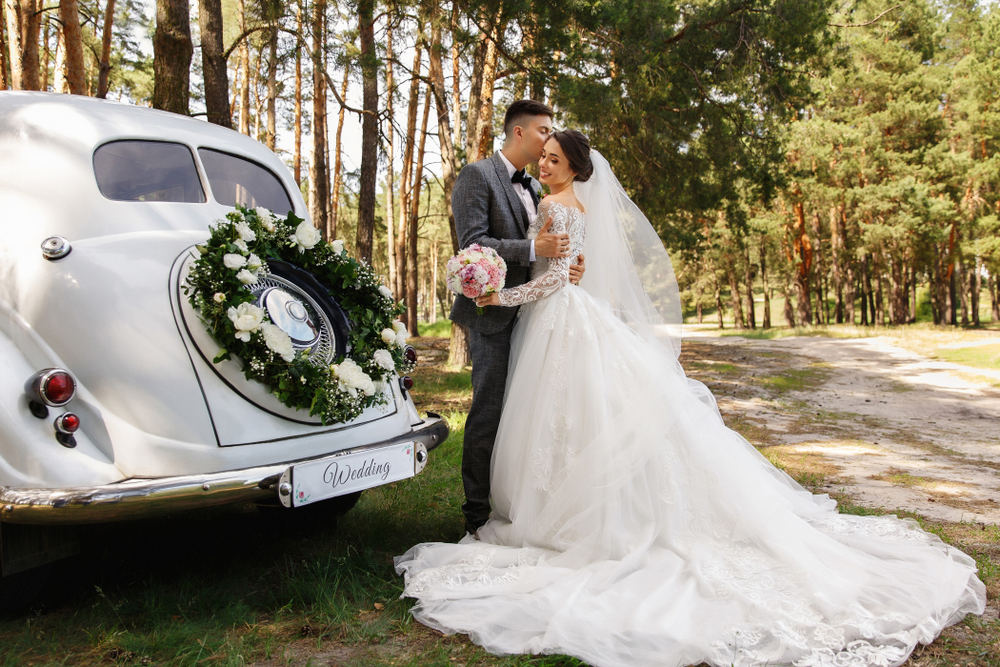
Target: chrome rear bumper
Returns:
[140, 497]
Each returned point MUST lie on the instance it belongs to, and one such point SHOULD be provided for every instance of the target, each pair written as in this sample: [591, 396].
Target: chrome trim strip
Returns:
[141, 497]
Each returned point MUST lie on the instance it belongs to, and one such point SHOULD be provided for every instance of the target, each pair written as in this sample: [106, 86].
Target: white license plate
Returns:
[338, 475]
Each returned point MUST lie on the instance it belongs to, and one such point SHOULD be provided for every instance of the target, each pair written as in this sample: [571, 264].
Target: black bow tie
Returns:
[521, 177]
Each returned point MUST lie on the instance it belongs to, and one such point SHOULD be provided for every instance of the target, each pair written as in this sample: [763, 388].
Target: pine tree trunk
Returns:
[369, 130]
[490, 61]
[173, 41]
[390, 195]
[317, 165]
[837, 252]
[105, 72]
[405, 176]
[213, 63]
[244, 52]
[411, 267]
[994, 298]
[975, 288]
[735, 298]
[803, 248]
[447, 141]
[3, 46]
[272, 90]
[59, 69]
[789, 312]
[751, 315]
[458, 346]
[12, 14]
[46, 38]
[255, 89]
[763, 280]
[963, 291]
[718, 304]
[31, 24]
[337, 165]
[849, 293]
[297, 121]
[432, 296]
[475, 102]
[456, 80]
[879, 312]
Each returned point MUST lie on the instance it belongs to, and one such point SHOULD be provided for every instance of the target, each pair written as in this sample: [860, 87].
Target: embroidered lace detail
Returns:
[477, 570]
[556, 276]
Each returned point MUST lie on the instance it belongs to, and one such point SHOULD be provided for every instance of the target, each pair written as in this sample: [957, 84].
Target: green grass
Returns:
[439, 329]
[979, 356]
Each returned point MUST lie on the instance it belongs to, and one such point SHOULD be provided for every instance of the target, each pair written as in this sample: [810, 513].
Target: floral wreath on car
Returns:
[219, 287]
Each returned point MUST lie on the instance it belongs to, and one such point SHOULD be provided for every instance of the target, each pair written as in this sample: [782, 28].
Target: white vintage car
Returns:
[111, 407]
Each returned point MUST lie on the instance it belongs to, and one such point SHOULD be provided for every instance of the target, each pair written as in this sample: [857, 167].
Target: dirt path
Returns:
[889, 427]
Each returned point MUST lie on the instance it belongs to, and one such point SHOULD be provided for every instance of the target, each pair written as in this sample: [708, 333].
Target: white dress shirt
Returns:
[529, 203]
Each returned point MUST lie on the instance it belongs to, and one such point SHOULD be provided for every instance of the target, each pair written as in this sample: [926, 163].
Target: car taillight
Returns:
[411, 354]
[406, 382]
[67, 423]
[53, 387]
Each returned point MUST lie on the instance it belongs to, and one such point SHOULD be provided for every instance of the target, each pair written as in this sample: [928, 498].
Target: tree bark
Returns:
[789, 312]
[735, 299]
[994, 298]
[804, 252]
[458, 346]
[297, 122]
[31, 25]
[105, 73]
[3, 46]
[485, 124]
[718, 304]
[12, 14]
[369, 130]
[172, 50]
[411, 267]
[837, 248]
[213, 63]
[272, 89]
[763, 280]
[337, 165]
[174, 41]
[317, 165]
[475, 102]
[456, 91]
[449, 159]
[390, 195]
[975, 288]
[407, 171]
[751, 315]
[244, 52]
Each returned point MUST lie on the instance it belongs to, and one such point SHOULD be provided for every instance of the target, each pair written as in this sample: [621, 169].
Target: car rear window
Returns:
[235, 180]
[148, 171]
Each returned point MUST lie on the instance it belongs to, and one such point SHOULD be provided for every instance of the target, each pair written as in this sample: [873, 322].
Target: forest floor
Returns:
[902, 422]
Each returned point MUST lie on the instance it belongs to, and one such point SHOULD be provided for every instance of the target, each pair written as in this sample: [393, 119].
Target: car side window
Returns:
[148, 171]
[236, 180]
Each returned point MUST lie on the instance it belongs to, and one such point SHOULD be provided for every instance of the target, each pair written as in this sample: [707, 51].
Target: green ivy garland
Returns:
[218, 287]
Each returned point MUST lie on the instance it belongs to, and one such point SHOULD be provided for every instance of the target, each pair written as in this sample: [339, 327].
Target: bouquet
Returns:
[476, 271]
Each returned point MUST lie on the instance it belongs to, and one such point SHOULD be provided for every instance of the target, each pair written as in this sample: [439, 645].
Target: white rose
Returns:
[234, 261]
[350, 375]
[278, 341]
[243, 229]
[401, 333]
[246, 277]
[385, 291]
[254, 263]
[242, 245]
[246, 318]
[306, 236]
[388, 336]
[482, 275]
[384, 359]
[473, 257]
[219, 297]
[266, 218]
[338, 246]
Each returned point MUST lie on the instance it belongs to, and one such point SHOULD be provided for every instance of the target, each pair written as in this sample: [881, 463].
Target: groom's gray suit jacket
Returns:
[489, 212]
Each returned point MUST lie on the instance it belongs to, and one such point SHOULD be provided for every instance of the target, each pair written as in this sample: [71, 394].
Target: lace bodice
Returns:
[549, 275]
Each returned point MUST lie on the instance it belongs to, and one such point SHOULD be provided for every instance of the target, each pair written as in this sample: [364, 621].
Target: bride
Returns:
[629, 525]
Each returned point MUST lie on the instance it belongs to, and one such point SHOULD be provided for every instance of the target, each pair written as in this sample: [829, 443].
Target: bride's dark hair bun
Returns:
[576, 148]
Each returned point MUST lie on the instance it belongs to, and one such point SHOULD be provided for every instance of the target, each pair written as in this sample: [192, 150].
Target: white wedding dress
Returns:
[631, 527]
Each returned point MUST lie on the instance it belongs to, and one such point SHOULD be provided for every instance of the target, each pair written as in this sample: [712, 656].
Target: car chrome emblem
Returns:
[295, 313]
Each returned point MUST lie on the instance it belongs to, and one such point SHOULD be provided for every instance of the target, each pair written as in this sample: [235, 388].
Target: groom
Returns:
[494, 201]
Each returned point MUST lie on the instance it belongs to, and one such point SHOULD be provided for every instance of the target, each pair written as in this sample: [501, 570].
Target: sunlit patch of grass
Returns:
[979, 356]
[795, 379]
[439, 329]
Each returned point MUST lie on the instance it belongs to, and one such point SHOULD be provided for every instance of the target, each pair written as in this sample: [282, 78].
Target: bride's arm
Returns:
[554, 278]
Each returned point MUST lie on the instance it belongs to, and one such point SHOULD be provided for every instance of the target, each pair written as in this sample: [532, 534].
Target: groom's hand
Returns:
[576, 270]
[551, 245]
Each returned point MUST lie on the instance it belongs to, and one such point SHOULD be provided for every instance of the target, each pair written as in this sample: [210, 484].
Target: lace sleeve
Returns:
[557, 275]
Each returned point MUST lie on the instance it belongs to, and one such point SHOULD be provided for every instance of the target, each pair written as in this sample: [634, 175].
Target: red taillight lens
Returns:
[59, 387]
[411, 354]
[407, 382]
[67, 423]
[53, 387]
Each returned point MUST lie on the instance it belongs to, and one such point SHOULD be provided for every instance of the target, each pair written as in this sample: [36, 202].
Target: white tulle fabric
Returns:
[631, 527]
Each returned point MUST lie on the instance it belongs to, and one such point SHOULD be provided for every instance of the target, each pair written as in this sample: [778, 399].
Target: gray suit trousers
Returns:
[490, 355]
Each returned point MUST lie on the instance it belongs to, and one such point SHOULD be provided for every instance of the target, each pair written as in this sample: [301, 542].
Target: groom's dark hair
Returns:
[521, 109]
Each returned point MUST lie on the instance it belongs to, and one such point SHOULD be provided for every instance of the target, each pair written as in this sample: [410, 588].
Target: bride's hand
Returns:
[577, 270]
[491, 299]
[551, 245]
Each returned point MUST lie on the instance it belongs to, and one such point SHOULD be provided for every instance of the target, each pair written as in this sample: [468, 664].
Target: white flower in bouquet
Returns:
[234, 261]
[350, 375]
[388, 336]
[219, 297]
[278, 341]
[337, 246]
[266, 218]
[306, 236]
[246, 317]
[384, 359]
[246, 277]
[243, 229]
[401, 333]
[254, 263]
[242, 245]
[482, 275]
[385, 291]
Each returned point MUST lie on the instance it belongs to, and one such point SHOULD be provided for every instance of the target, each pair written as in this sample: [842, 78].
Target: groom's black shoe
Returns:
[471, 529]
